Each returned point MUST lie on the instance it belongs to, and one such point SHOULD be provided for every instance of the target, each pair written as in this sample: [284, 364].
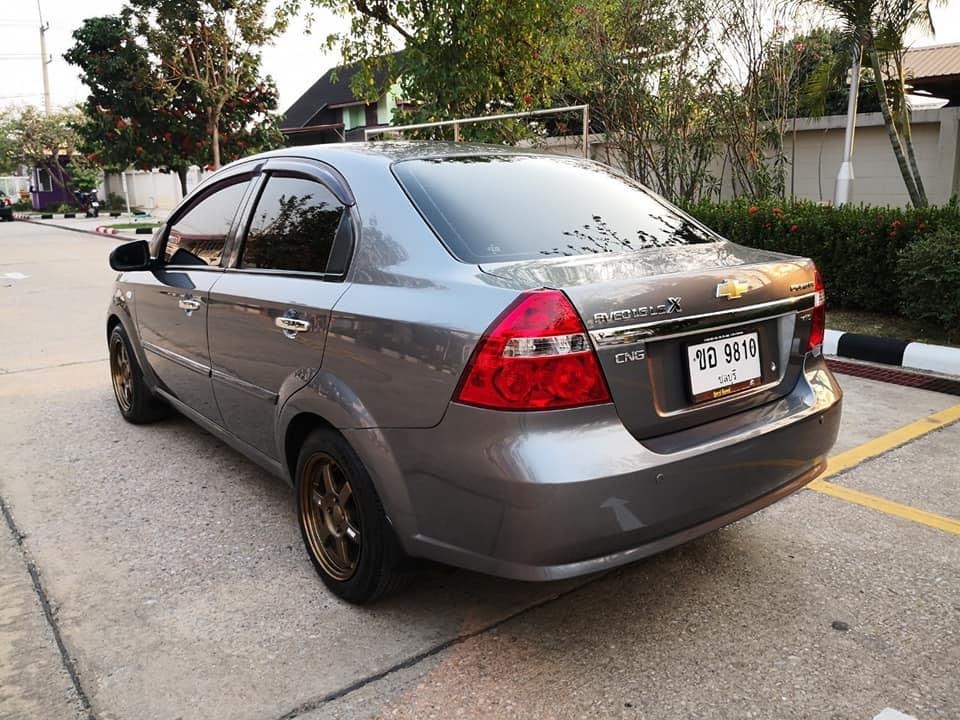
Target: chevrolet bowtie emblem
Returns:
[732, 289]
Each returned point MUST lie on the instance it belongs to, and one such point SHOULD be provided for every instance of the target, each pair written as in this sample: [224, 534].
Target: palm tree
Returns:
[876, 29]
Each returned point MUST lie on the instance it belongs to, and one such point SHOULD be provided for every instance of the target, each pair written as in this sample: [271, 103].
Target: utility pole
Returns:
[44, 60]
[845, 176]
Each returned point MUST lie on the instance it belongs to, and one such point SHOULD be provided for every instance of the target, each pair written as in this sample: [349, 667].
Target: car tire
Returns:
[347, 535]
[137, 404]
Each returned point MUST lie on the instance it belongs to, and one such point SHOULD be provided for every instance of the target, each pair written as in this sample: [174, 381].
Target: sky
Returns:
[295, 61]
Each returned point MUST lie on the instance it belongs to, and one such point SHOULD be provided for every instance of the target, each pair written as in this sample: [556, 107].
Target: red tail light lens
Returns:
[818, 324]
[535, 356]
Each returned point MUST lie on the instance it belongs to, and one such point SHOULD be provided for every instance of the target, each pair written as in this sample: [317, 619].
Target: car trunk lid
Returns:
[685, 335]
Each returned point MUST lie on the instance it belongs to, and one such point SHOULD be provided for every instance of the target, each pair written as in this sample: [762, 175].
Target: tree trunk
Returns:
[895, 142]
[908, 135]
[215, 140]
[182, 176]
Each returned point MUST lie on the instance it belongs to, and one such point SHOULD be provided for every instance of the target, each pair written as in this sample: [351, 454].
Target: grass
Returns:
[889, 326]
[133, 225]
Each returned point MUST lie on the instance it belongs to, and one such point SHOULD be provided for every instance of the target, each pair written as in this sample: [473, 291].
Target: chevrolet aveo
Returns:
[524, 365]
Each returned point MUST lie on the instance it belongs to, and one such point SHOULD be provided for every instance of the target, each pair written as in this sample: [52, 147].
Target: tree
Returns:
[209, 53]
[652, 89]
[876, 29]
[48, 142]
[461, 58]
[141, 113]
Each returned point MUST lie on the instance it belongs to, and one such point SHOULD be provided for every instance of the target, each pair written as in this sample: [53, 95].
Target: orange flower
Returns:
[753, 210]
[794, 228]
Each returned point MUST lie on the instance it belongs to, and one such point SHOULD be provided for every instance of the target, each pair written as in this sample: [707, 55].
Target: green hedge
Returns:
[857, 249]
[930, 268]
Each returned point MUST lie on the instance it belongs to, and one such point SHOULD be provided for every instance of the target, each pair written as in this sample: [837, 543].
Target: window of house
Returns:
[44, 183]
[354, 117]
[199, 236]
[293, 227]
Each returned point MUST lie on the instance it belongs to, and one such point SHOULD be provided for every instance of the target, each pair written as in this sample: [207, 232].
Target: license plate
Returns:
[724, 366]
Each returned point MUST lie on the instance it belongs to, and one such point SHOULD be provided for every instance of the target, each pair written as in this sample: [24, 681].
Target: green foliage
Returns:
[653, 84]
[41, 140]
[856, 248]
[463, 59]
[65, 208]
[929, 272]
[23, 205]
[84, 175]
[173, 84]
[115, 203]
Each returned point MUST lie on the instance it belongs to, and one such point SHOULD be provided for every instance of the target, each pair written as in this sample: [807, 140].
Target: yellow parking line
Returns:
[873, 448]
[887, 506]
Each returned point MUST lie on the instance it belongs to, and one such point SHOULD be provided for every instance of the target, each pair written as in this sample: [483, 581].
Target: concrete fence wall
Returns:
[819, 149]
[816, 152]
[151, 189]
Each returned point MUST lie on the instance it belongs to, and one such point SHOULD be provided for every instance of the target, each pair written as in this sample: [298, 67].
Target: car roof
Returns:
[391, 151]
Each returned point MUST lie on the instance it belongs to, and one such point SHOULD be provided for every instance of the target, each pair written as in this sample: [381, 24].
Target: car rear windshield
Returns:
[497, 208]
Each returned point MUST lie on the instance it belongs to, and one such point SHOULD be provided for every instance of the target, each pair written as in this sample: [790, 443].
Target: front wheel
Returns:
[345, 530]
[136, 403]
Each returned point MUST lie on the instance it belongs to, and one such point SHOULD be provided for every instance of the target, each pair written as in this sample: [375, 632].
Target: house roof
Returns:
[935, 70]
[326, 92]
[932, 61]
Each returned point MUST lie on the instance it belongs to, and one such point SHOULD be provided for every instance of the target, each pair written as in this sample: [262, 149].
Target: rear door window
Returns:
[293, 226]
[495, 208]
[199, 236]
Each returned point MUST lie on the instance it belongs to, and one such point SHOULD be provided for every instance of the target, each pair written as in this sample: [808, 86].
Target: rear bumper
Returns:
[544, 496]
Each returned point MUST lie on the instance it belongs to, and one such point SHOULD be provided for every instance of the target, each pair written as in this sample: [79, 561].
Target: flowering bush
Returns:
[856, 248]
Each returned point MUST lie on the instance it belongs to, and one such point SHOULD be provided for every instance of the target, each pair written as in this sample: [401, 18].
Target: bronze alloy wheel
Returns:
[331, 519]
[121, 372]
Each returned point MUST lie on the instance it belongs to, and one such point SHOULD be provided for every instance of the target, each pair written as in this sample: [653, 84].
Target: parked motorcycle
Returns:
[89, 203]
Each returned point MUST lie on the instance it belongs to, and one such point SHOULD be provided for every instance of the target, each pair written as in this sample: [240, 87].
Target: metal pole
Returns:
[586, 131]
[456, 132]
[126, 191]
[845, 175]
[44, 60]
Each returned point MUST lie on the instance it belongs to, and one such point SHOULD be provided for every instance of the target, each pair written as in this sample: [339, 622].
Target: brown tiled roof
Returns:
[933, 61]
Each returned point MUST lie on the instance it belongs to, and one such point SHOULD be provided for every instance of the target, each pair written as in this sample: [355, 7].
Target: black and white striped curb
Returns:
[901, 353]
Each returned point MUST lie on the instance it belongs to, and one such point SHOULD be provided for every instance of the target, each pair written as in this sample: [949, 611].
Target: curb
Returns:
[900, 353]
[104, 230]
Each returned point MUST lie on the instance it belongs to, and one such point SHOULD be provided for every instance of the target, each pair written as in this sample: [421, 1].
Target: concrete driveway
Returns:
[152, 572]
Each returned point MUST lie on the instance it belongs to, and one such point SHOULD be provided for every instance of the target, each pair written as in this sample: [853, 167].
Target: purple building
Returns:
[47, 191]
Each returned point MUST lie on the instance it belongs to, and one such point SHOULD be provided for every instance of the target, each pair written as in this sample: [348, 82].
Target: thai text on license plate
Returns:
[724, 366]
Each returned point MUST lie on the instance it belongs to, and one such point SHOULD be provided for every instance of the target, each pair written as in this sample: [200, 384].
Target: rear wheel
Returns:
[137, 404]
[346, 532]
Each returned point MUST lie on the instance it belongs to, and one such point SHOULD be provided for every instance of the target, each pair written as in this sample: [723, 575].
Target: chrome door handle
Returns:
[188, 304]
[291, 325]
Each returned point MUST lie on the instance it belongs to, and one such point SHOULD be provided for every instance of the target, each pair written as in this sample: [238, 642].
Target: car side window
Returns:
[199, 236]
[293, 227]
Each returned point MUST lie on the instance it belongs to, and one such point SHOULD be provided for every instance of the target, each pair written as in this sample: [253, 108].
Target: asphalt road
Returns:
[151, 572]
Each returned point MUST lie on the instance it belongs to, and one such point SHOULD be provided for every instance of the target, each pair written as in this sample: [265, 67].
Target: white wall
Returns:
[152, 189]
[819, 147]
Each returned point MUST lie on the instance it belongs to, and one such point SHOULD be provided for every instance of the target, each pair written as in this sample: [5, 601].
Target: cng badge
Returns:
[632, 356]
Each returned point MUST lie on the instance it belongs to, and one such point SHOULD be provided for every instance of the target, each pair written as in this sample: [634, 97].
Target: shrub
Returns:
[23, 205]
[116, 202]
[928, 273]
[64, 208]
[856, 248]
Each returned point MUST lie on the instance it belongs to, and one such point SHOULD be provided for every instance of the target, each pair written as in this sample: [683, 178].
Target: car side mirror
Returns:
[131, 256]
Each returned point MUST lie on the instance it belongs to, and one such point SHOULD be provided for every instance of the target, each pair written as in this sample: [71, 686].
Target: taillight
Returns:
[535, 356]
[818, 323]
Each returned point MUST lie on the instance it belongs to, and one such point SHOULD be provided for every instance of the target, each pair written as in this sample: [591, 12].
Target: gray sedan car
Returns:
[515, 363]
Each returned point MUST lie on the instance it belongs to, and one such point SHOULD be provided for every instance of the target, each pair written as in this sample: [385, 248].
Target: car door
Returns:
[269, 313]
[172, 301]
